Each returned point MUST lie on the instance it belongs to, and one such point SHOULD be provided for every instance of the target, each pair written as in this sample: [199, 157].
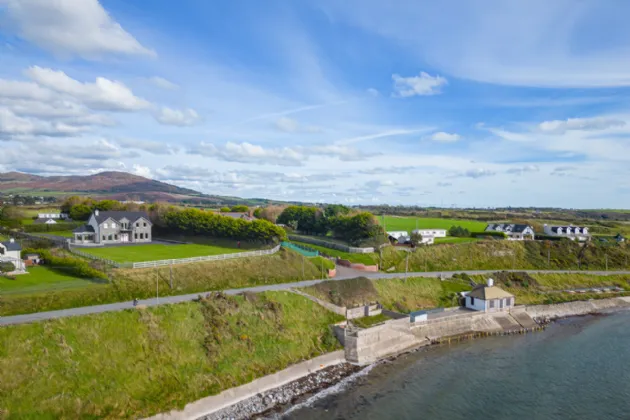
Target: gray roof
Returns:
[12, 246]
[507, 227]
[84, 229]
[132, 216]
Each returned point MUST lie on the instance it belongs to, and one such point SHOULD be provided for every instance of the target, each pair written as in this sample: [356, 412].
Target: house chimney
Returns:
[96, 212]
[490, 282]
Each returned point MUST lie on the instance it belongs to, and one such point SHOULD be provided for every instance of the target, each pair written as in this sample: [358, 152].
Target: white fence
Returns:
[333, 245]
[221, 257]
[94, 257]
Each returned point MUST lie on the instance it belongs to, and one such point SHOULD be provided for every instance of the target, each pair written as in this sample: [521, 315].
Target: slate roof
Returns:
[489, 292]
[12, 246]
[84, 229]
[132, 216]
[507, 227]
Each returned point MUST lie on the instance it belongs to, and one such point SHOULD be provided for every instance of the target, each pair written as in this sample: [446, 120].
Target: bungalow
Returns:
[62, 216]
[571, 232]
[114, 227]
[436, 233]
[44, 222]
[488, 298]
[620, 238]
[10, 252]
[513, 231]
[402, 238]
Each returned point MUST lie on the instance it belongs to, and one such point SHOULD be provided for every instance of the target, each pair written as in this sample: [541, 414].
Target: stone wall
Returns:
[361, 311]
[341, 310]
[561, 310]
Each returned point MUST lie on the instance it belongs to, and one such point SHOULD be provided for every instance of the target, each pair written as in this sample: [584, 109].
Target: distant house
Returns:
[571, 232]
[513, 231]
[401, 237]
[10, 252]
[488, 298]
[620, 238]
[112, 227]
[32, 259]
[394, 235]
[244, 216]
[61, 216]
[44, 222]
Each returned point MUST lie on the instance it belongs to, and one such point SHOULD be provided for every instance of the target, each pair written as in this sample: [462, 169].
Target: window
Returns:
[104, 238]
[145, 224]
[104, 225]
[138, 224]
[492, 304]
[109, 237]
[472, 300]
[116, 237]
[135, 236]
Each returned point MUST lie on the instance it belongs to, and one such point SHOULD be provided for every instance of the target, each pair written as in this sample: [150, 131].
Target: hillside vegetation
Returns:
[136, 363]
[489, 255]
[127, 284]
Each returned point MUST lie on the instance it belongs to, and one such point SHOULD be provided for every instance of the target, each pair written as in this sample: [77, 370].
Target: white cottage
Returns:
[488, 298]
[571, 232]
[10, 252]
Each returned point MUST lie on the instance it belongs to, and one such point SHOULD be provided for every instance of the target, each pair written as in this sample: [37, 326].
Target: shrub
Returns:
[239, 209]
[458, 232]
[7, 267]
[225, 210]
[73, 266]
[52, 227]
[489, 234]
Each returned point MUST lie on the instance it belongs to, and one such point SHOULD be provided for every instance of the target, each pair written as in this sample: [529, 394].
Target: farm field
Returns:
[409, 223]
[137, 363]
[42, 279]
[153, 252]
[367, 259]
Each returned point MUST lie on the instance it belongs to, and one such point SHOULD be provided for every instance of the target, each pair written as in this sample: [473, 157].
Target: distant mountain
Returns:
[115, 185]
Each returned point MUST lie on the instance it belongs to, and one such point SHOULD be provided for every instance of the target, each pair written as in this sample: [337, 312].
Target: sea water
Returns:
[578, 368]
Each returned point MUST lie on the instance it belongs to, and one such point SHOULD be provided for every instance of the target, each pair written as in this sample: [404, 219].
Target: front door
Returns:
[124, 237]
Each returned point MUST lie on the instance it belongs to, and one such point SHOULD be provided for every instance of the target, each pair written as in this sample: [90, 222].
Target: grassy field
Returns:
[126, 284]
[367, 259]
[368, 321]
[409, 223]
[394, 294]
[41, 279]
[136, 363]
[153, 252]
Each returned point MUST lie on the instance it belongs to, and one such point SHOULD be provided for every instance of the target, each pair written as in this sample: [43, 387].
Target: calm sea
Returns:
[578, 368]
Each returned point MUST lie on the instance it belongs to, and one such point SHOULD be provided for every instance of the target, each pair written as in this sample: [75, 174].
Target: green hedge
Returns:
[72, 266]
[57, 227]
[488, 234]
[549, 238]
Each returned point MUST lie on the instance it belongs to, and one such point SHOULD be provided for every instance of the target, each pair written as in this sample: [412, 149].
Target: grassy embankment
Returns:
[394, 294]
[154, 252]
[136, 363]
[42, 279]
[425, 293]
[501, 255]
[126, 284]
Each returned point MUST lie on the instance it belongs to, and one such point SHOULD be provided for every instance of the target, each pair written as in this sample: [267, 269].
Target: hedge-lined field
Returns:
[409, 223]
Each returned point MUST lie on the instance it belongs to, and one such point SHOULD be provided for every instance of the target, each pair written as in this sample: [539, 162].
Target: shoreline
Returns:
[249, 401]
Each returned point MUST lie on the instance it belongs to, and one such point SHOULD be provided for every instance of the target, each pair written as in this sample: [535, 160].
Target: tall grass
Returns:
[136, 363]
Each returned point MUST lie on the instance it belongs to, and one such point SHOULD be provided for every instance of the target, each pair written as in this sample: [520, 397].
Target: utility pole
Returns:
[606, 261]
[157, 285]
[171, 277]
[322, 262]
[406, 266]
[303, 275]
[548, 257]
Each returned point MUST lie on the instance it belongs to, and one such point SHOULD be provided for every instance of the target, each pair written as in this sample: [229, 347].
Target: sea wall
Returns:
[562, 310]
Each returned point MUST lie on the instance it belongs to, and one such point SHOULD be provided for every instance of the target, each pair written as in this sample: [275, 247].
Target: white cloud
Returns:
[373, 92]
[142, 171]
[479, 173]
[104, 94]
[422, 85]
[343, 153]
[71, 27]
[13, 126]
[154, 147]
[523, 169]
[286, 124]
[444, 184]
[250, 153]
[444, 137]
[163, 83]
[177, 117]
[579, 124]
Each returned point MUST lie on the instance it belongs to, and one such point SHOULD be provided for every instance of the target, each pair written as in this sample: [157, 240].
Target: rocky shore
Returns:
[265, 404]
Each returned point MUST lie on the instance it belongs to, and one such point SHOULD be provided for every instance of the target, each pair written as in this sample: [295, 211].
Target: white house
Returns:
[436, 233]
[571, 232]
[396, 234]
[514, 232]
[62, 216]
[10, 252]
[488, 298]
[402, 237]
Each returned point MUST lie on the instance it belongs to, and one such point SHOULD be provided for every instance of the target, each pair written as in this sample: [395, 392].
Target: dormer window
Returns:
[104, 225]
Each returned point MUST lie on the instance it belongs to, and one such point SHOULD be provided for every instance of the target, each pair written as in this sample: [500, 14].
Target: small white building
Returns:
[514, 232]
[436, 233]
[397, 234]
[488, 298]
[570, 232]
[10, 252]
[60, 216]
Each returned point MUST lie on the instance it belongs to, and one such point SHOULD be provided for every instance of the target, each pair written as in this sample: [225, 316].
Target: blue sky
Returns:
[461, 103]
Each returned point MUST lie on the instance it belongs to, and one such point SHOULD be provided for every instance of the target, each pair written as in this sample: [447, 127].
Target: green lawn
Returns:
[41, 279]
[367, 259]
[137, 363]
[64, 233]
[409, 223]
[368, 321]
[152, 252]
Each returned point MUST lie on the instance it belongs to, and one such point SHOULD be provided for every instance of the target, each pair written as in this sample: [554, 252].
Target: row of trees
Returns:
[241, 208]
[354, 228]
[80, 208]
[199, 222]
